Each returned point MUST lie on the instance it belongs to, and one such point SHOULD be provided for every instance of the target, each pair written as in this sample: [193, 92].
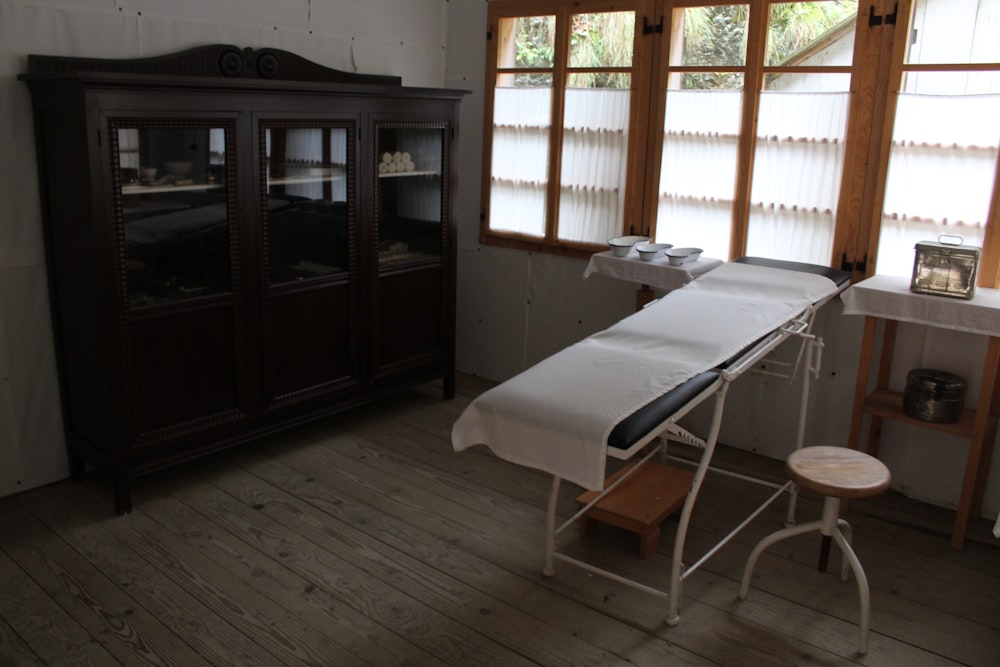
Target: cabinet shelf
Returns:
[296, 180]
[153, 189]
[889, 405]
[405, 174]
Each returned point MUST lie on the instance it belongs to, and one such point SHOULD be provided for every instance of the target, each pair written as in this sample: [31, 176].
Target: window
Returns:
[561, 115]
[809, 130]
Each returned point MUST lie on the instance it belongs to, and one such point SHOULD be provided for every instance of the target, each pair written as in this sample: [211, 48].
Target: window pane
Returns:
[519, 171]
[602, 40]
[527, 41]
[956, 31]
[814, 83]
[941, 174]
[712, 37]
[698, 169]
[595, 147]
[798, 164]
[811, 33]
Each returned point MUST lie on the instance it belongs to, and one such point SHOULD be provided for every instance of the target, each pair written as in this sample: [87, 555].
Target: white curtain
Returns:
[798, 165]
[521, 123]
[941, 173]
[595, 147]
[698, 169]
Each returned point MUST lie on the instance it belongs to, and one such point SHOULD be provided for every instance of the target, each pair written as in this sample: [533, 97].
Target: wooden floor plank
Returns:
[462, 606]
[365, 539]
[126, 630]
[205, 631]
[498, 536]
[519, 585]
[412, 467]
[279, 631]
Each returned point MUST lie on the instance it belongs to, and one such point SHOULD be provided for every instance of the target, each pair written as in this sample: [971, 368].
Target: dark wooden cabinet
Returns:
[238, 241]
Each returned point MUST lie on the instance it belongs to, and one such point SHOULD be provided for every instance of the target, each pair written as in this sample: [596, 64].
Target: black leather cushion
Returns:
[631, 429]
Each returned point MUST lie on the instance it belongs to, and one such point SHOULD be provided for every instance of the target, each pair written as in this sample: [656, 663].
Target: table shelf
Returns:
[889, 405]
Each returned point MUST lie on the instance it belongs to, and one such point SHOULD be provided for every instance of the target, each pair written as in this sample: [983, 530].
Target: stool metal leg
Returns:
[863, 594]
[768, 541]
[830, 526]
[845, 530]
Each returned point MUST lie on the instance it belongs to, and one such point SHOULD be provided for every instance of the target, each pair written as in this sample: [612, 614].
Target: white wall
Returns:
[405, 38]
[514, 308]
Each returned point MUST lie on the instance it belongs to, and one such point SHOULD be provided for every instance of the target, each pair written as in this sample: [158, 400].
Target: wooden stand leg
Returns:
[649, 542]
[643, 296]
[861, 384]
[976, 445]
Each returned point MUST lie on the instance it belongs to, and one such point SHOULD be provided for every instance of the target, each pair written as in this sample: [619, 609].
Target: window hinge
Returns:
[846, 265]
[889, 19]
[489, 33]
[648, 29]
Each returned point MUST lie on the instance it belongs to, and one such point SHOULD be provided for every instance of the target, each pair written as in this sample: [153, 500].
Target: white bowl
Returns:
[678, 256]
[649, 251]
[178, 169]
[622, 244]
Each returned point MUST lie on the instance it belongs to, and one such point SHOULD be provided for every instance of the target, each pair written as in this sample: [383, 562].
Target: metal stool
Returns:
[836, 473]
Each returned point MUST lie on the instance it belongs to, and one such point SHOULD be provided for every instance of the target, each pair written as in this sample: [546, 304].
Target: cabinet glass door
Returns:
[311, 306]
[174, 210]
[409, 193]
[306, 205]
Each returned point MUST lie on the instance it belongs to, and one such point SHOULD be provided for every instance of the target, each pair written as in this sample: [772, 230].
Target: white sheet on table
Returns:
[556, 415]
[890, 297]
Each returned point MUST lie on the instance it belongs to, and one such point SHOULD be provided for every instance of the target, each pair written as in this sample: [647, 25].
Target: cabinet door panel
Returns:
[183, 370]
[311, 348]
[410, 312]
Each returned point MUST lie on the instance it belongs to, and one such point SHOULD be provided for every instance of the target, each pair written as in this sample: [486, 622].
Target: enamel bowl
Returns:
[678, 256]
[648, 251]
[622, 244]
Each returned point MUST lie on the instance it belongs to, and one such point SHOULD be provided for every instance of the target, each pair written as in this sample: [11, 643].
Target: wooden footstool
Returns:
[836, 473]
[640, 504]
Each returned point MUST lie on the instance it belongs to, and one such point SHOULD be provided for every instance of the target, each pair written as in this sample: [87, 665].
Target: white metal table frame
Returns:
[808, 359]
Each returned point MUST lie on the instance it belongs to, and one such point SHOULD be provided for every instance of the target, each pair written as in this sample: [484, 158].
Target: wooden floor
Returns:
[365, 540]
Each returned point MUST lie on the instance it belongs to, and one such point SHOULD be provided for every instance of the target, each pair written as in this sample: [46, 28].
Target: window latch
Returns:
[648, 29]
[846, 265]
[889, 19]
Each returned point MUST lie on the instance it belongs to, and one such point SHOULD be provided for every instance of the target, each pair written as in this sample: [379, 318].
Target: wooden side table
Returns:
[888, 298]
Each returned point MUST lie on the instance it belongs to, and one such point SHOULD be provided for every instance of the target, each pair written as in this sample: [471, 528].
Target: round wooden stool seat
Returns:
[838, 472]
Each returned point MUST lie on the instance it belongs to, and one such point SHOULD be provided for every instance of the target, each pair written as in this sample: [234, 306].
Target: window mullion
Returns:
[652, 60]
[559, 75]
[892, 52]
[752, 86]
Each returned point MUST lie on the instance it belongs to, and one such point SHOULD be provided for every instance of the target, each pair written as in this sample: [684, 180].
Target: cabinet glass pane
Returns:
[174, 212]
[307, 202]
[409, 194]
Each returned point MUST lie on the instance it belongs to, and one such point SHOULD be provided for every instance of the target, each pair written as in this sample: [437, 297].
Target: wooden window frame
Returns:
[876, 74]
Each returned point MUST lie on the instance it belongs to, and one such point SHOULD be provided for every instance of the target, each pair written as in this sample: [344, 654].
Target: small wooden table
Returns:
[639, 505]
[889, 298]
